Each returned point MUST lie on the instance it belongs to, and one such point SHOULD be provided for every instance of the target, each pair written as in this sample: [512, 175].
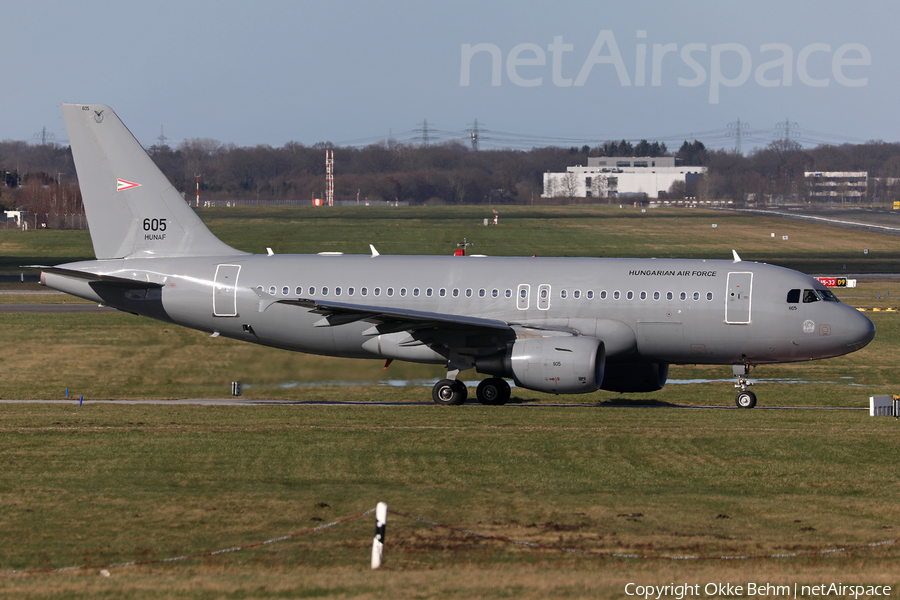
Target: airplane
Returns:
[555, 325]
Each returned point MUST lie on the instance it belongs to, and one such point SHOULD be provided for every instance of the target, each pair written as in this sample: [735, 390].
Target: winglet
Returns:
[737, 258]
[374, 251]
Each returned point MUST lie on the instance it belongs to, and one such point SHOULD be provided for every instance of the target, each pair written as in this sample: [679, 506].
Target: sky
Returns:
[529, 73]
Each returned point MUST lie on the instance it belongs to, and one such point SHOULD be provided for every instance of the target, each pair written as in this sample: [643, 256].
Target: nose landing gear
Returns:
[744, 398]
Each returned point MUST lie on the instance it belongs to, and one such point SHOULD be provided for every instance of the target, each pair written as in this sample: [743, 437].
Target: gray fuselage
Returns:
[653, 310]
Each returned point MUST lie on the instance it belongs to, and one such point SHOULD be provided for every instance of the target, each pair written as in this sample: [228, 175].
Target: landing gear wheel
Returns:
[493, 391]
[745, 399]
[449, 392]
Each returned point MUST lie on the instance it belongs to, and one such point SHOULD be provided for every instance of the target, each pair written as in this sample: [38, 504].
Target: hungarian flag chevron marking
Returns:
[122, 184]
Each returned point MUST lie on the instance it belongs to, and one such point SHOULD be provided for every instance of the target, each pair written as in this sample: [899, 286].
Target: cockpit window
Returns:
[816, 295]
[793, 297]
[828, 296]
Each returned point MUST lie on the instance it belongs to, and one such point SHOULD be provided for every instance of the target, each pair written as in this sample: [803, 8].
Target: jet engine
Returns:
[558, 365]
[635, 377]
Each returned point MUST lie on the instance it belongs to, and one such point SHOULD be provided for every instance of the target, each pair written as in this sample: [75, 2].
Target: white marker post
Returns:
[378, 542]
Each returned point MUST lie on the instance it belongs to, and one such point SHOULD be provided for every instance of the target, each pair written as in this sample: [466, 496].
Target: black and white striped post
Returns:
[378, 542]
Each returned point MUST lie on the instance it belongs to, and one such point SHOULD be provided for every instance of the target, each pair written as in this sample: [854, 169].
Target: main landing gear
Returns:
[745, 398]
[493, 391]
[449, 392]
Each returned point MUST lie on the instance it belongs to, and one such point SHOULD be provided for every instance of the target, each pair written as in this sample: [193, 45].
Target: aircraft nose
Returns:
[859, 330]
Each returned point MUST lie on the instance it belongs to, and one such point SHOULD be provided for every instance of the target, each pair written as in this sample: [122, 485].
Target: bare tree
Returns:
[570, 185]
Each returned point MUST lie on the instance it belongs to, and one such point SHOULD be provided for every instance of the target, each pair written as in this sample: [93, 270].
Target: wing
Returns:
[389, 319]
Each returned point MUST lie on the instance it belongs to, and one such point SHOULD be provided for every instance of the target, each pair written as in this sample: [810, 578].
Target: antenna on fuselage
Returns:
[461, 247]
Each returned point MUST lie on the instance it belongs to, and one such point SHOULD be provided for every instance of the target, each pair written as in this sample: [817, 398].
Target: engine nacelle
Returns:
[558, 365]
[635, 377]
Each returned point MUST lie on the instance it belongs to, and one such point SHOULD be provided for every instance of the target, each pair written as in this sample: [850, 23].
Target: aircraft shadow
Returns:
[610, 403]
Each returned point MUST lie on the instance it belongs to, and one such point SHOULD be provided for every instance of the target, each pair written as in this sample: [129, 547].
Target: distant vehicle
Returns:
[556, 325]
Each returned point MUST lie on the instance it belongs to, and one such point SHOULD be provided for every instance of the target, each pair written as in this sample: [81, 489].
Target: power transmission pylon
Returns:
[423, 130]
[738, 132]
[788, 128]
[473, 135]
[44, 136]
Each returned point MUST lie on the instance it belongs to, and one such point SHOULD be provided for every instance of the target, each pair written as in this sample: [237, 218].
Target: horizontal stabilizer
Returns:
[110, 280]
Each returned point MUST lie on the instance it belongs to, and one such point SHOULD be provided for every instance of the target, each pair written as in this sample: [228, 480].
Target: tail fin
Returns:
[131, 207]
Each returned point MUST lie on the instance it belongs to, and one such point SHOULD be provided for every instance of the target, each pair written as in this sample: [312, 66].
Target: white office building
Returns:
[606, 177]
[837, 185]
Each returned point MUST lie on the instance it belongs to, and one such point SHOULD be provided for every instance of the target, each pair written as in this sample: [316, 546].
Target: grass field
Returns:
[523, 231]
[605, 473]
[124, 483]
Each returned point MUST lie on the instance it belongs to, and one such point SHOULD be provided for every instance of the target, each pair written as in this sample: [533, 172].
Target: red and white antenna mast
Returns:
[329, 177]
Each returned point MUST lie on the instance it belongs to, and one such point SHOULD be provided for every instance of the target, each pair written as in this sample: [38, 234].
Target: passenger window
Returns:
[669, 295]
[299, 291]
[259, 287]
[616, 295]
[429, 292]
[562, 294]
[643, 295]
[443, 292]
[285, 291]
[415, 292]
[696, 295]
[377, 291]
[390, 291]
[468, 292]
[481, 293]
[576, 294]
[324, 290]
[337, 291]
[456, 292]
[272, 290]
[509, 293]
[629, 295]
[590, 294]
[364, 291]
[683, 296]
[312, 290]
[656, 295]
[495, 293]
[709, 295]
[403, 292]
[350, 291]
[523, 293]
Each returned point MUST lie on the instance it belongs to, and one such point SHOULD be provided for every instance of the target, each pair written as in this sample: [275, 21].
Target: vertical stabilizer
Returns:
[131, 207]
